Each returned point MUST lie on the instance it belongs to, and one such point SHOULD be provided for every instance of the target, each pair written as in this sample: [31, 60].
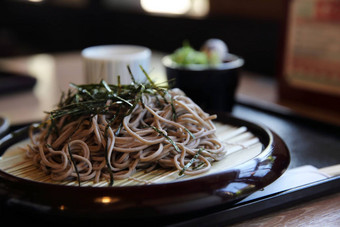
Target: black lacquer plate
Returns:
[165, 202]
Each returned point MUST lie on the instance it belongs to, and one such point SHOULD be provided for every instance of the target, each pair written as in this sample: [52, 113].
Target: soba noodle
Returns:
[96, 147]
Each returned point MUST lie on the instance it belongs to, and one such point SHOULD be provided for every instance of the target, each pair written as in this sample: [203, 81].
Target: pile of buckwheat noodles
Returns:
[96, 147]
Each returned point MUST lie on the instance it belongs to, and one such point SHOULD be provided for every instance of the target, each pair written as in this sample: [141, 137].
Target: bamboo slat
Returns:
[241, 146]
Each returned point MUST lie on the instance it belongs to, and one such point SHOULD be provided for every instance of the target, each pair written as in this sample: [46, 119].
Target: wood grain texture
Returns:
[324, 212]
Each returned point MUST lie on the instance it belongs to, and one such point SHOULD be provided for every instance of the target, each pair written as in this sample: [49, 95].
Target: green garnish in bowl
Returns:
[187, 55]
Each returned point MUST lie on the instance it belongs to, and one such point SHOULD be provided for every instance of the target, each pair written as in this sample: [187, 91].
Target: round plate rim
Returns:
[218, 189]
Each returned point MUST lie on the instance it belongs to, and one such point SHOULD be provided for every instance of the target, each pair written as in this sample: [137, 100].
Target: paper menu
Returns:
[312, 56]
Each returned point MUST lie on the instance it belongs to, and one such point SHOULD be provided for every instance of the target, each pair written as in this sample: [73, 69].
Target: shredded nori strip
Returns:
[73, 163]
[191, 161]
[92, 99]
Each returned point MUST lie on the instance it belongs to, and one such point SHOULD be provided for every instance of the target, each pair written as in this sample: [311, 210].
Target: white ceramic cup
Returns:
[107, 62]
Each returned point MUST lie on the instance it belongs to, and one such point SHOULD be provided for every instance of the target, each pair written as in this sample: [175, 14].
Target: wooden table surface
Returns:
[324, 211]
[54, 73]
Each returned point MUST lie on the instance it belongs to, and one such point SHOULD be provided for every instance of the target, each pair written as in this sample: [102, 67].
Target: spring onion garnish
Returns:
[191, 161]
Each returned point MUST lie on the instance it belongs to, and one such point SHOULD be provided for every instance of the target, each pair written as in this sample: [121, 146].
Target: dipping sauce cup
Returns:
[107, 62]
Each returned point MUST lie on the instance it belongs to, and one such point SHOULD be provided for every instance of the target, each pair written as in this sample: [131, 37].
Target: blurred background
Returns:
[290, 80]
[251, 28]
[291, 48]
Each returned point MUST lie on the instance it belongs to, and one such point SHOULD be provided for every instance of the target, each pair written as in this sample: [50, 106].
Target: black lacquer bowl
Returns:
[211, 87]
[165, 201]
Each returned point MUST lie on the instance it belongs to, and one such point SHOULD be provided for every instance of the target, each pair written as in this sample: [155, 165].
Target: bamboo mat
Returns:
[241, 146]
